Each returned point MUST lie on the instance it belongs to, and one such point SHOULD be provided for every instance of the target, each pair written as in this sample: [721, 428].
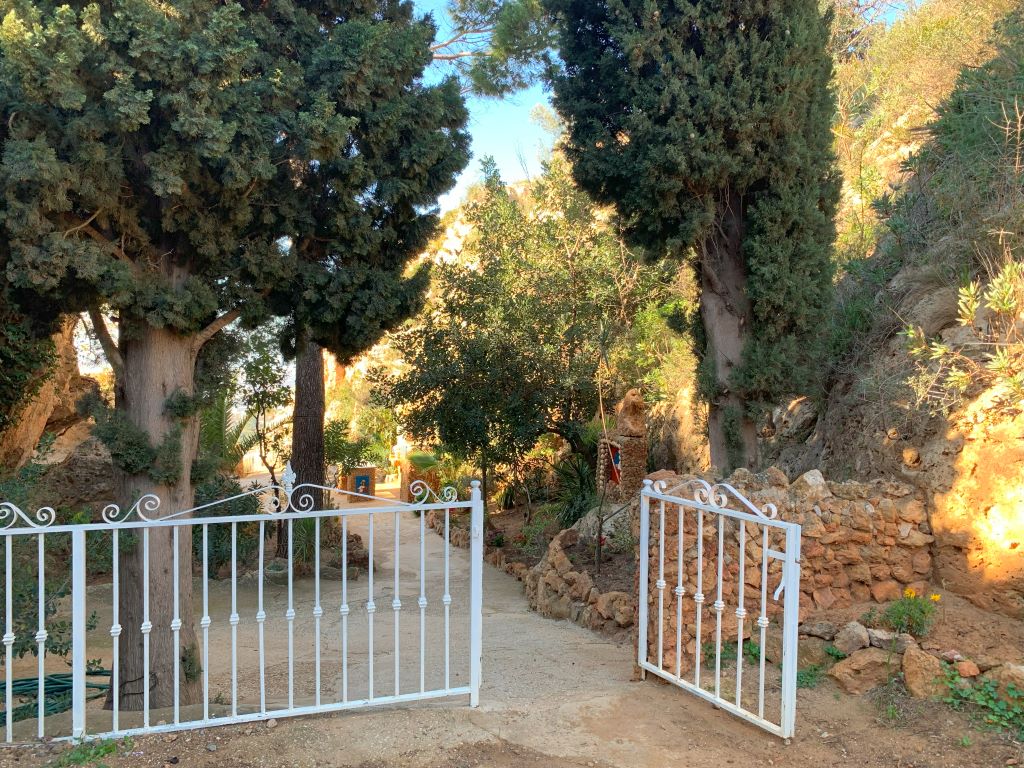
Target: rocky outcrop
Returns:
[52, 409]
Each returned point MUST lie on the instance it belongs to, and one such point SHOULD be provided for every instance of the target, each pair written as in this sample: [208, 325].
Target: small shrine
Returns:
[622, 454]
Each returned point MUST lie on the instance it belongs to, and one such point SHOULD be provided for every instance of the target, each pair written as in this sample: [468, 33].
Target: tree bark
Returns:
[157, 364]
[308, 418]
[726, 313]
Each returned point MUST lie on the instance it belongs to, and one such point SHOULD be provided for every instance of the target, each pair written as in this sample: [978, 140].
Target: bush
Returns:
[576, 491]
[983, 702]
[248, 542]
[912, 613]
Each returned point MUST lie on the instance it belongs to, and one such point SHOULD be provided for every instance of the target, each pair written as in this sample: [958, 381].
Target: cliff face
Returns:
[53, 407]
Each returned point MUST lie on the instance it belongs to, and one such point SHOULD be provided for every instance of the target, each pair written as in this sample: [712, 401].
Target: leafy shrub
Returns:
[809, 677]
[248, 542]
[533, 538]
[576, 489]
[912, 613]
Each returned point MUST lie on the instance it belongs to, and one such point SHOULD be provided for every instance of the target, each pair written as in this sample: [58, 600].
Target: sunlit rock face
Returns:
[978, 517]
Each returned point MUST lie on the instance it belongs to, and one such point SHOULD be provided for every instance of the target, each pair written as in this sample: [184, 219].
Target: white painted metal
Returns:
[305, 688]
[726, 509]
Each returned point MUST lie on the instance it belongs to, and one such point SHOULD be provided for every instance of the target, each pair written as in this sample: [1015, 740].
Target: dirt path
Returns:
[557, 695]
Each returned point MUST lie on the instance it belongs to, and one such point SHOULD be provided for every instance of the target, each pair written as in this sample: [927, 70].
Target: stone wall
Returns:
[861, 542]
[557, 590]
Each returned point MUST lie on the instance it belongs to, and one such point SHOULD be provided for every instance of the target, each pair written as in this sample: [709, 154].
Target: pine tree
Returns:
[707, 124]
[154, 158]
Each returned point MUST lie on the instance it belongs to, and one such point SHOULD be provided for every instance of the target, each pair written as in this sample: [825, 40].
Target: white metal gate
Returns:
[708, 543]
[299, 640]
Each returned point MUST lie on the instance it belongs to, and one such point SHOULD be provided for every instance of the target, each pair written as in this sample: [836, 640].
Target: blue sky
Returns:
[501, 128]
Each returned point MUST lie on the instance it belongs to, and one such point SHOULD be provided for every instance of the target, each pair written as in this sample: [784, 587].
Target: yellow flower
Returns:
[908, 592]
[935, 597]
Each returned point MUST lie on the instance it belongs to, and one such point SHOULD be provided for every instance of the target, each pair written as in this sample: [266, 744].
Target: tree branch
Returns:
[215, 327]
[110, 349]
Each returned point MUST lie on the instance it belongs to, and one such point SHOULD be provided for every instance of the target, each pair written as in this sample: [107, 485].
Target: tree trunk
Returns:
[726, 313]
[308, 419]
[157, 364]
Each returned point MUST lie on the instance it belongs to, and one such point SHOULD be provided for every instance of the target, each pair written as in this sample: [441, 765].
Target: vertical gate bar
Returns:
[371, 609]
[176, 621]
[79, 620]
[290, 616]
[719, 607]
[261, 617]
[698, 597]
[447, 600]
[146, 627]
[741, 612]
[660, 584]
[318, 611]
[396, 603]
[8, 641]
[344, 608]
[115, 628]
[476, 592]
[644, 553]
[680, 568]
[41, 638]
[234, 619]
[791, 620]
[762, 619]
[206, 621]
[423, 601]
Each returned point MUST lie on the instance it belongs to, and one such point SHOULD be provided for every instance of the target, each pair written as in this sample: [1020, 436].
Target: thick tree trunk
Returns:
[308, 418]
[726, 313]
[157, 364]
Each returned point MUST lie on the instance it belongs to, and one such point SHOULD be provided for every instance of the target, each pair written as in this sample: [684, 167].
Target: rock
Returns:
[811, 651]
[826, 630]
[914, 538]
[886, 591]
[922, 674]
[629, 415]
[272, 723]
[609, 604]
[912, 457]
[952, 656]
[211, 747]
[1004, 676]
[811, 485]
[865, 669]
[852, 638]
[967, 668]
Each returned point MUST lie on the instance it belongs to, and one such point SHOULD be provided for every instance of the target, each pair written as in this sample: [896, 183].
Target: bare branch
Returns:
[215, 327]
[110, 348]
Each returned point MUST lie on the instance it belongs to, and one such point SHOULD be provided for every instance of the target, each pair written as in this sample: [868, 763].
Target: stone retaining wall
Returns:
[861, 542]
[557, 590]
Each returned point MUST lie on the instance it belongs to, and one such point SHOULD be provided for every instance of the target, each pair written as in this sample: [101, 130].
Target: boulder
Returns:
[1005, 676]
[852, 638]
[890, 641]
[826, 630]
[967, 668]
[865, 669]
[922, 674]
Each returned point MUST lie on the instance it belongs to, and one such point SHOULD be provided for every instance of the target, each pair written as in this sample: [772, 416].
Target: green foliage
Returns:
[534, 535]
[912, 613]
[835, 653]
[185, 165]
[682, 113]
[992, 709]
[575, 489]
[26, 355]
[495, 46]
[129, 445]
[345, 453]
[510, 346]
[247, 538]
[751, 651]
[810, 677]
[91, 754]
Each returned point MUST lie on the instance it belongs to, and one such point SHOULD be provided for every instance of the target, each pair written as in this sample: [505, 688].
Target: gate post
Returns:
[790, 629]
[476, 591]
[641, 603]
[78, 622]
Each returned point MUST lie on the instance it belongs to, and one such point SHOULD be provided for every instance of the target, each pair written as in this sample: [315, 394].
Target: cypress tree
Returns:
[154, 158]
[707, 124]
